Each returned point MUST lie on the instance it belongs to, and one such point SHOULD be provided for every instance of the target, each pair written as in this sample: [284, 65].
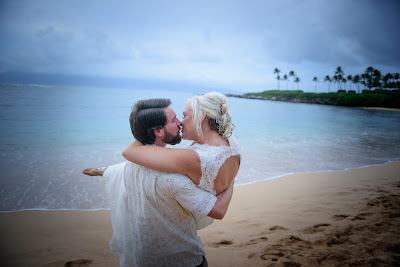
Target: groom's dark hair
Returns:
[146, 116]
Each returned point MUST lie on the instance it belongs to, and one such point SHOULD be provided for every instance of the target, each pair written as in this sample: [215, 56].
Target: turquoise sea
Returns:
[49, 134]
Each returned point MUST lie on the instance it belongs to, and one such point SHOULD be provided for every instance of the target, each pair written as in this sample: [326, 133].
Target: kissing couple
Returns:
[161, 196]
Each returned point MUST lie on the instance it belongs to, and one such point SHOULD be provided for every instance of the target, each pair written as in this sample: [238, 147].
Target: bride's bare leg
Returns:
[94, 171]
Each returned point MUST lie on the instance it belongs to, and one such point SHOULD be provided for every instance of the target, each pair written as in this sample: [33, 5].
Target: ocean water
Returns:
[49, 134]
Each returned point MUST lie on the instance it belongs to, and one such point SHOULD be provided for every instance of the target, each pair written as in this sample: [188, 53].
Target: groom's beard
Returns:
[172, 139]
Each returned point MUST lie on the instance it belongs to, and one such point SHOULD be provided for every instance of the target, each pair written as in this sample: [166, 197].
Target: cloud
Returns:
[356, 32]
[225, 43]
[64, 46]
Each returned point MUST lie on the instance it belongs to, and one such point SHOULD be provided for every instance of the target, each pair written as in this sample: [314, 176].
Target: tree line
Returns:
[295, 78]
[371, 79]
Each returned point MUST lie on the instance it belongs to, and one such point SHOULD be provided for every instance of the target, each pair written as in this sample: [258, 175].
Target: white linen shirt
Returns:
[163, 209]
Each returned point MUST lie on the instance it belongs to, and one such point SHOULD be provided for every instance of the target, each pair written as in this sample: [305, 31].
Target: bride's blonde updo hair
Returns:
[215, 106]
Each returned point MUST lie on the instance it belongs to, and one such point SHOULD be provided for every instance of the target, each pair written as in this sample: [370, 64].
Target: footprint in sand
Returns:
[272, 255]
[223, 243]
[394, 248]
[366, 214]
[277, 228]
[394, 215]
[372, 203]
[339, 217]
[315, 228]
[294, 239]
[256, 241]
[362, 216]
[380, 224]
[358, 218]
[269, 254]
[80, 262]
[339, 236]
[382, 191]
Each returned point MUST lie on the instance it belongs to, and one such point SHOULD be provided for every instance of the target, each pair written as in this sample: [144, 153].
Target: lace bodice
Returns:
[211, 160]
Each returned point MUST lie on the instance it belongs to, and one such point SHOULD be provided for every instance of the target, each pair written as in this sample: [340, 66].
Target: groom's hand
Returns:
[221, 205]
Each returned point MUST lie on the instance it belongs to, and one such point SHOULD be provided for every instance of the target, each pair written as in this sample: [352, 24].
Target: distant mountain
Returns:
[98, 81]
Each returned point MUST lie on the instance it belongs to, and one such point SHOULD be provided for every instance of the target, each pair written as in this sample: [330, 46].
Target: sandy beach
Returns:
[338, 218]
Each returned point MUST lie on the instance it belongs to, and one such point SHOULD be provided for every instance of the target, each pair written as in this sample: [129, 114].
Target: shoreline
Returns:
[384, 109]
[321, 218]
[326, 171]
[320, 99]
[236, 185]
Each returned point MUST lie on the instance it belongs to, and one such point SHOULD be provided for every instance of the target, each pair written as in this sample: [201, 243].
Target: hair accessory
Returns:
[219, 122]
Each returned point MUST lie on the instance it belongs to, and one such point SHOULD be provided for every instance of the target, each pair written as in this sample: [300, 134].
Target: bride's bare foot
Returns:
[94, 171]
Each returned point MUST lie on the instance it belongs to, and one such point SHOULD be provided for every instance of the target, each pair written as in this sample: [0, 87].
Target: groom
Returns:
[164, 208]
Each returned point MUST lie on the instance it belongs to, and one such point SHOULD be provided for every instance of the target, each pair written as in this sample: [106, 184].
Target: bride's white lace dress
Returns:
[211, 158]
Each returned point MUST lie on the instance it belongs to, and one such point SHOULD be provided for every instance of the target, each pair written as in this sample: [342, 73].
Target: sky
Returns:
[219, 44]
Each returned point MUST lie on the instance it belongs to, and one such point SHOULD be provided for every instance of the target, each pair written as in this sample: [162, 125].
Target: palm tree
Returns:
[396, 77]
[368, 77]
[369, 70]
[285, 78]
[328, 79]
[276, 71]
[292, 74]
[339, 73]
[336, 80]
[364, 80]
[297, 80]
[387, 80]
[350, 79]
[356, 80]
[315, 79]
[377, 77]
[344, 82]
[370, 81]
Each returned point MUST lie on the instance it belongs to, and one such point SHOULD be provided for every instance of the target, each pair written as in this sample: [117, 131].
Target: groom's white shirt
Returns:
[158, 213]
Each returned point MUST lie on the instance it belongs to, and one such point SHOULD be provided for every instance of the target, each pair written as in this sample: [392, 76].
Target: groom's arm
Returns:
[198, 201]
[221, 205]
